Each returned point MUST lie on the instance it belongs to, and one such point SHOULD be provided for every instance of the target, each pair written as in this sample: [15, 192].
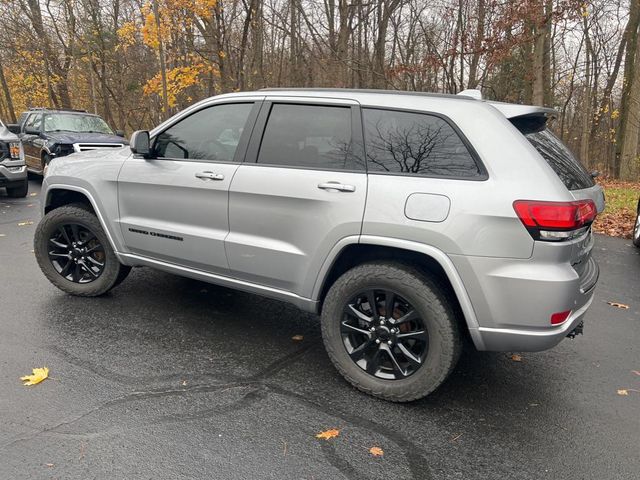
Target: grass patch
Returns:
[620, 213]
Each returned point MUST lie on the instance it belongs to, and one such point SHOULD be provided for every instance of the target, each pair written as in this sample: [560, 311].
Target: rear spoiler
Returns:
[527, 118]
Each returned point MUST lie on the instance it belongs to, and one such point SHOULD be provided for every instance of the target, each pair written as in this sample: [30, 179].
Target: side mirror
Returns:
[140, 144]
[31, 131]
[120, 133]
[13, 128]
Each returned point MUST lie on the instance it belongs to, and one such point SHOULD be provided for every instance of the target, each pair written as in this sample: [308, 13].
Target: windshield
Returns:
[74, 122]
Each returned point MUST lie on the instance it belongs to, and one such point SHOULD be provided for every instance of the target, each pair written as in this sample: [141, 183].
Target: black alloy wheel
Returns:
[384, 334]
[76, 253]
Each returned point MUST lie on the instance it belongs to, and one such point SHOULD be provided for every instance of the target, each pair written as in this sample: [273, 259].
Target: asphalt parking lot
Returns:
[166, 377]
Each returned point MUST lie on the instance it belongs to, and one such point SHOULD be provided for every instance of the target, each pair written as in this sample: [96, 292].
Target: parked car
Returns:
[48, 134]
[13, 172]
[409, 221]
[636, 228]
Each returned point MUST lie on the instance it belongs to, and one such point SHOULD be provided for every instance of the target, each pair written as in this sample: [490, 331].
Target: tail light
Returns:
[555, 221]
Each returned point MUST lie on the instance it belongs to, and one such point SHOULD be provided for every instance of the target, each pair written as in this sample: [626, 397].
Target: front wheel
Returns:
[74, 253]
[390, 331]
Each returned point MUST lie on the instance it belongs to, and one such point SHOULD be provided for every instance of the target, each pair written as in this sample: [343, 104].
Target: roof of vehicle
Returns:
[59, 110]
[509, 110]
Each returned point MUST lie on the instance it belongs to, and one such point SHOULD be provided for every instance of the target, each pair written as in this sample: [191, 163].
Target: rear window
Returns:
[558, 156]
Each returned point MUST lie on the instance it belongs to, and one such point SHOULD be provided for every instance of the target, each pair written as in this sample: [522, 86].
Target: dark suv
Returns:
[47, 134]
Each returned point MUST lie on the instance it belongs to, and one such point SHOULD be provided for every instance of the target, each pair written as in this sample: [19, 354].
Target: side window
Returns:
[308, 136]
[415, 143]
[212, 133]
[34, 121]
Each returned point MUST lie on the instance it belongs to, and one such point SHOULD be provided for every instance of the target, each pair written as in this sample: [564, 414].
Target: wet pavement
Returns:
[167, 377]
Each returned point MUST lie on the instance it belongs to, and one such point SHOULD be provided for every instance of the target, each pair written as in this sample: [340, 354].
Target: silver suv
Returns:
[409, 221]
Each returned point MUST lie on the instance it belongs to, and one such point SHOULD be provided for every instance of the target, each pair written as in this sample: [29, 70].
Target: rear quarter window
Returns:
[415, 143]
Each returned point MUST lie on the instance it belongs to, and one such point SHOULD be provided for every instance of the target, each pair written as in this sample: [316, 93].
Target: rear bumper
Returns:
[523, 340]
[514, 299]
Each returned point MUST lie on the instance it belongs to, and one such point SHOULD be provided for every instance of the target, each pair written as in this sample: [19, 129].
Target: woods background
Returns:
[138, 62]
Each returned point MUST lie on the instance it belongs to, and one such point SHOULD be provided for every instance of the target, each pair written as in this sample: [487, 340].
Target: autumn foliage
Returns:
[136, 63]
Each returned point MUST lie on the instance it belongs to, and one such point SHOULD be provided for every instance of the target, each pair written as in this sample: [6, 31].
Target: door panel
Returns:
[304, 193]
[282, 226]
[168, 213]
[176, 209]
[32, 144]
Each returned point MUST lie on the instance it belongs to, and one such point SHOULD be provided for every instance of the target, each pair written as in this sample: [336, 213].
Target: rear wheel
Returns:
[19, 191]
[74, 253]
[390, 331]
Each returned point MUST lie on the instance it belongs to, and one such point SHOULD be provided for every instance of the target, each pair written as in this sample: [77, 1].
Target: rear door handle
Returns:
[340, 187]
[209, 176]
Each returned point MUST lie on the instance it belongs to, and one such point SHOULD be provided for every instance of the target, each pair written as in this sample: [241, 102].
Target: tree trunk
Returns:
[631, 35]
[7, 95]
[629, 162]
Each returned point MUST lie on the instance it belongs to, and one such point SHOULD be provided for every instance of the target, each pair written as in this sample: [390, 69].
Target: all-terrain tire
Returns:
[427, 298]
[113, 272]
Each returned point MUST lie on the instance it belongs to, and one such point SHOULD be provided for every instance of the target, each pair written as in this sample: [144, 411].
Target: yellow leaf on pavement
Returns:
[619, 305]
[22, 224]
[39, 374]
[327, 434]
[516, 358]
[297, 338]
[623, 392]
[376, 451]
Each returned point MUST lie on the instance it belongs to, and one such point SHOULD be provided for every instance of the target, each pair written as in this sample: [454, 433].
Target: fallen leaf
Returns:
[184, 383]
[22, 224]
[636, 372]
[516, 358]
[33, 194]
[327, 434]
[297, 338]
[50, 465]
[623, 392]
[30, 205]
[618, 305]
[376, 451]
[39, 374]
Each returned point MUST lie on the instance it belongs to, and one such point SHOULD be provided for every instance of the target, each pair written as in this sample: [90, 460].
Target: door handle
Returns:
[340, 187]
[209, 176]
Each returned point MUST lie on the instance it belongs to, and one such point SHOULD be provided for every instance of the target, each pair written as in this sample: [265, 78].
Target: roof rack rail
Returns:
[45, 109]
[358, 90]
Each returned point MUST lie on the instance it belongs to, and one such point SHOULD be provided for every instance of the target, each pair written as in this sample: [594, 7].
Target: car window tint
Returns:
[560, 159]
[415, 143]
[212, 133]
[308, 136]
[34, 120]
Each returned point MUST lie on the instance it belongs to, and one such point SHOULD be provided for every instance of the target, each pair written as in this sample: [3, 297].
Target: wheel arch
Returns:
[429, 259]
[60, 195]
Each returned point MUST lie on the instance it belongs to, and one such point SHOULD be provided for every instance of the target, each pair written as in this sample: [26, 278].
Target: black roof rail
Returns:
[365, 90]
[46, 109]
